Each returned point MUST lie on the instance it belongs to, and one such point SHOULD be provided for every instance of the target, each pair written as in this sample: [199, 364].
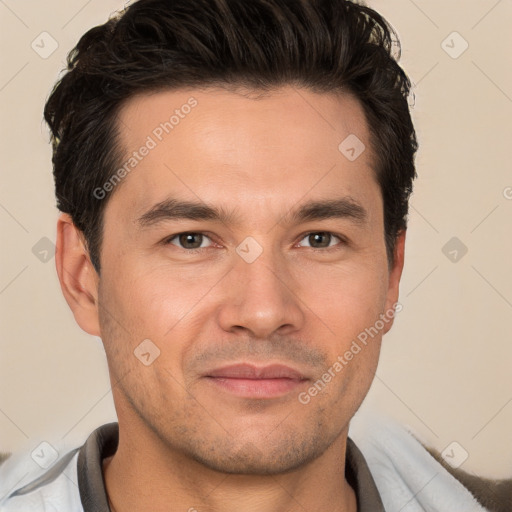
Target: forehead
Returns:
[256, 149]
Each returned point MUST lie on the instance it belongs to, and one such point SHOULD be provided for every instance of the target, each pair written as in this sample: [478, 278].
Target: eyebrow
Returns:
[174, 209]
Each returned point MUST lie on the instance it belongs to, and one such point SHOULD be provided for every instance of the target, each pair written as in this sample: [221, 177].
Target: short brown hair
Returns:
[325, 45]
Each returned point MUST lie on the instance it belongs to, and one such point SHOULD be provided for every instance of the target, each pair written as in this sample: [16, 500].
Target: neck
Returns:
[144, 476]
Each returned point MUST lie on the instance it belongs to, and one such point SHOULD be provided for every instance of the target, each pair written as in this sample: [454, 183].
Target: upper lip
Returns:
[249, 371]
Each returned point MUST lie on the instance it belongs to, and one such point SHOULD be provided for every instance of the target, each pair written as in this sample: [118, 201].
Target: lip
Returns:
[249, 371]
[250, 381]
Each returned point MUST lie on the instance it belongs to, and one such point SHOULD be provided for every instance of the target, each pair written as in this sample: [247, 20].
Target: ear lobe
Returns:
[77, 276]
[395, 274]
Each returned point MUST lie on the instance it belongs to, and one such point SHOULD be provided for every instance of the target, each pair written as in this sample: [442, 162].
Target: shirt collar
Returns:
[359, 477]
[103, 442]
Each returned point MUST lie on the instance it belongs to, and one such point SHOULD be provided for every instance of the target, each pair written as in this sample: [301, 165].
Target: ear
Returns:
[395, 274]
[78, 277]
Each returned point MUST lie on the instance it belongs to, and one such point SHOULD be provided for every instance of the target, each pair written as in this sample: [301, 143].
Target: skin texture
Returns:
[183, 439]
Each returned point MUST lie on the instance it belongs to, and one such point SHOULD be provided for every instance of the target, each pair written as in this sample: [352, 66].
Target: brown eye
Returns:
[321, 239]
[189, 241]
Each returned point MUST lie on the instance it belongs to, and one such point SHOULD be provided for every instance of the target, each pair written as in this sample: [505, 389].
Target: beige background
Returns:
[446, 367]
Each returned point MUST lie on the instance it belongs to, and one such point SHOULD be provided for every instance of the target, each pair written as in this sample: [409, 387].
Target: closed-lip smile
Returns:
[251, 381]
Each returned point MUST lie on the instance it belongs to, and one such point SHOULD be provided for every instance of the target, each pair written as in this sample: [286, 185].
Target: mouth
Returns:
[249, 381]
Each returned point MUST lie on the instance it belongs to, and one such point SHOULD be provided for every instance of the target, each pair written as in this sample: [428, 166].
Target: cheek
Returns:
[347, 301]
[348, 297]
[161, 304]
[153, 299]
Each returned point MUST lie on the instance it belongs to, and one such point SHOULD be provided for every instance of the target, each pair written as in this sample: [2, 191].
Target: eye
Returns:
[190, 241]
[322, 239]
[194, 241]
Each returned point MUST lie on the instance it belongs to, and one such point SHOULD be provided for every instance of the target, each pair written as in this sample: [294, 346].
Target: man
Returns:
[233, 178]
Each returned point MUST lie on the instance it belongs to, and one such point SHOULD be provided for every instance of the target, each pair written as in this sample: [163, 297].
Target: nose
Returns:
[262, 298]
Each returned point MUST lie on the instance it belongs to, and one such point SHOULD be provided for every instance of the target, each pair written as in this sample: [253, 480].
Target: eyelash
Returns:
[343, 241]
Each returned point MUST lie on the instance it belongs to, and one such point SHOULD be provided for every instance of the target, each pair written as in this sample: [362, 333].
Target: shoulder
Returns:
[410, 476]
[495, 495]
[27, 486]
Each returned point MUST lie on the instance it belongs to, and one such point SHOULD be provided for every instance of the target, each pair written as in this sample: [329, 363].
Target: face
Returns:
[249, 250]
